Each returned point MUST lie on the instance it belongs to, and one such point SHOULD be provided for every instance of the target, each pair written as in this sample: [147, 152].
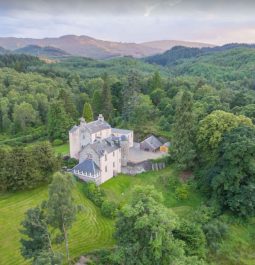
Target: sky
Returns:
[214, 21]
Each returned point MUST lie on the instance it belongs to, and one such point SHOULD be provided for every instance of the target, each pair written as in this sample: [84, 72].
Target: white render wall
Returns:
[102, 134]
[74, 142]
[113, 164]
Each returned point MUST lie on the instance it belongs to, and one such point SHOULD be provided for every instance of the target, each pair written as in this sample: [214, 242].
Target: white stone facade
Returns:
[107, 147]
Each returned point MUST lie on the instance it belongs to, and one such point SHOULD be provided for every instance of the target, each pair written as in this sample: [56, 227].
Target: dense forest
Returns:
[202, 100]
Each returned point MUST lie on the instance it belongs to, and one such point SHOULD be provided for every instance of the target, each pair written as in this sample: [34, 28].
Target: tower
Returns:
[85, 136]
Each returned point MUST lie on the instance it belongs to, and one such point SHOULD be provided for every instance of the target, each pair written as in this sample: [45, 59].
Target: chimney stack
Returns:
[100, 117]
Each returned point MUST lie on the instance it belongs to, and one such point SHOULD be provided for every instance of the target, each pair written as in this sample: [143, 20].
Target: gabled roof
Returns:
[121, 131]
[97, 126]
[153, 142]
[87, 166]
[107, 145]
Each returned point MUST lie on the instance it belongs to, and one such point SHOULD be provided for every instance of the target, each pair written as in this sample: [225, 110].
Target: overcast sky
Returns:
[212, 21]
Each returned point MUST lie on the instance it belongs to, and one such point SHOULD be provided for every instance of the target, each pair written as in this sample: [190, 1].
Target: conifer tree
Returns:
[129, 95]
[69, 106]
[97, 103]
[59, 122]
[182, 149]
[107, 107]
[87, 112]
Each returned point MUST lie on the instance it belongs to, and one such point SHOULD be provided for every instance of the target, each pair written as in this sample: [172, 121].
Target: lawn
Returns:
[91, 231]
[62, 149]
[119, 189]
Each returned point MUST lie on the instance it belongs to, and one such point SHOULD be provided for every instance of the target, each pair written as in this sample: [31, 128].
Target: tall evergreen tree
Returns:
[59, 121]
[182, 149]
[61, 206]
[107, 107]
[129, 95]
[97, 103]
[87, 112]
[68, 103]
[155, 82]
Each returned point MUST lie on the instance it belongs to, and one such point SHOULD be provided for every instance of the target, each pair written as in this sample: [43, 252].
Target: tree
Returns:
[232, 178]
[68, 103]
[107, 108]
[58, 121]
[183, 149]
[24, 116]
[155, 82]
[194, 238]
[129, 95]
[144, 231]
[97, 103]
[142, 111]
[37, 238]
[212, 128]
[45, 160]
[61, 207]
[87, 112]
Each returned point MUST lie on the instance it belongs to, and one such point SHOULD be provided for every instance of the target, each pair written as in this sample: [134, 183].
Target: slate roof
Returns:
[107, 145]
[97, 126]
[75, 127]
[153, 142]
[87, 166]
[121, 131]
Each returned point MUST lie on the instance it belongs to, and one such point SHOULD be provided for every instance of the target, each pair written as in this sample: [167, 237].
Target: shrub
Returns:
[215, 231]
[94, 193]
[69, 162]
[57, 142]
[182, 192]
[108, 209]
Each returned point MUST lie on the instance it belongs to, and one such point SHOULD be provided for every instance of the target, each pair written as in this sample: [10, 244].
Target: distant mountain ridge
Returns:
[97, 49]
[177, 53]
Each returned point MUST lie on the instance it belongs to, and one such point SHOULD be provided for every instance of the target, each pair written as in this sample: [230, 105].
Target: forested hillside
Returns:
[202, 102]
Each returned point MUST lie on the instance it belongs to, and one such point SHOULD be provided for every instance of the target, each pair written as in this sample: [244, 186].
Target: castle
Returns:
[101, 150]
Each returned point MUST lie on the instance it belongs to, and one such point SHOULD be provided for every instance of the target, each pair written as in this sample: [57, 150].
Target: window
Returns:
[113, 153]
[105, 169]
[113, 164]
[105, 157]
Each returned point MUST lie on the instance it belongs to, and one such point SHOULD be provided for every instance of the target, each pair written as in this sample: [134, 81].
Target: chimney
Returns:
[100, 117]
[82, 121]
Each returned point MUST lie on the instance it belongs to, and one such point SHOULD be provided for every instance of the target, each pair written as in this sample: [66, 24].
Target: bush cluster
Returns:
[97, 196]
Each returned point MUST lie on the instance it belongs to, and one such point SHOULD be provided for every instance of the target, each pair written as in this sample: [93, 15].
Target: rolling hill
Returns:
[94, 48]
[41, 51]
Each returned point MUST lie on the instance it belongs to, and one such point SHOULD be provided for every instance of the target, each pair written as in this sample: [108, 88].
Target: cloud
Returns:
[121, 20]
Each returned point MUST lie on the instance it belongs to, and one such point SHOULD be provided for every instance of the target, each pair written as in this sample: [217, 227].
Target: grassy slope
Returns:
[89, 222]
[91, 231]
[237, 249]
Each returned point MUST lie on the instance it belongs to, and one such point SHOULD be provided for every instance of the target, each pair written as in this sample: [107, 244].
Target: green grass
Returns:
[119, 189]
[62, 149]
[90, 231]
